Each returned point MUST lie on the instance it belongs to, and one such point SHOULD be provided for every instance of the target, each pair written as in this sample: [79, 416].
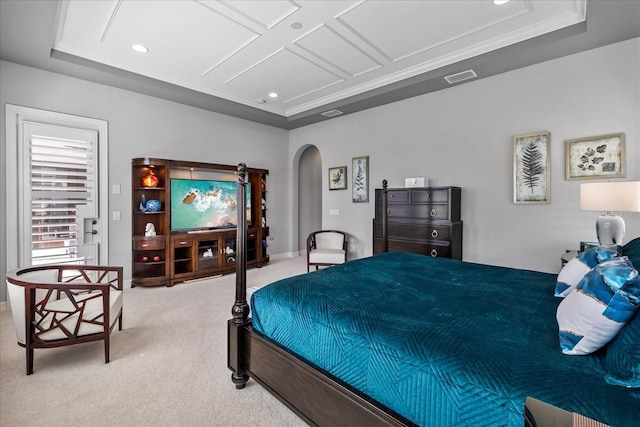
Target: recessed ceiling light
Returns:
[273, 95]
[140, 48]
[500, 2]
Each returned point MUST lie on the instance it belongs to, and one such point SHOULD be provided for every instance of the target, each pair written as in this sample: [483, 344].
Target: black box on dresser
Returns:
[424, 220]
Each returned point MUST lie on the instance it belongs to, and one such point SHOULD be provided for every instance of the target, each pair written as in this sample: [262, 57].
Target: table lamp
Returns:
[610, 197]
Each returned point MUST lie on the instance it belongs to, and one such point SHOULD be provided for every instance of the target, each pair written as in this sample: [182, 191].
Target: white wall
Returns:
[144, 126]
[463, 136]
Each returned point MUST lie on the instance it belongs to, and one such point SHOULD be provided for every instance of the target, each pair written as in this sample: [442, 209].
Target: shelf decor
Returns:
[531, 169]
[150, 180]
[598, 157]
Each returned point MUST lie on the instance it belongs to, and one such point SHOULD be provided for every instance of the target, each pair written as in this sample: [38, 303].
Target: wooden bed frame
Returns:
[314, 395]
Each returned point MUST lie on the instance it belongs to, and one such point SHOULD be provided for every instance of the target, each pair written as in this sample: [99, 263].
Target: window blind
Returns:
[62, 178]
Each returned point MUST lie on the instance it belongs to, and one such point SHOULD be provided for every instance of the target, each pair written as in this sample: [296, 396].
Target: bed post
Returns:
[385, 240]
[240, 309]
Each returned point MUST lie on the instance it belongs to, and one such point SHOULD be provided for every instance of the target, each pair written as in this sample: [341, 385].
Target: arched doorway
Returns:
[309, 194]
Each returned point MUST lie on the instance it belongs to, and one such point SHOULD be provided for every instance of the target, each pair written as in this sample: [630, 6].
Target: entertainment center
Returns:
[184, 220]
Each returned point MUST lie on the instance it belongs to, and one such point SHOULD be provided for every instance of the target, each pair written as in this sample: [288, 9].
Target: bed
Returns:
[405, 339]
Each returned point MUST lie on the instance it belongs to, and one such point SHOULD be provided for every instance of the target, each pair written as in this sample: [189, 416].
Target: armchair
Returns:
[326, 247]
[59, 305]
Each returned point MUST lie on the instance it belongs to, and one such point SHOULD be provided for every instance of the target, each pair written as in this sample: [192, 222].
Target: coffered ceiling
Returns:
[313, 56]
[309, 53]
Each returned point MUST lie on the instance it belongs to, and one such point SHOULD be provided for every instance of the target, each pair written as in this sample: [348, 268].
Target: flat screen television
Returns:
[199, 204]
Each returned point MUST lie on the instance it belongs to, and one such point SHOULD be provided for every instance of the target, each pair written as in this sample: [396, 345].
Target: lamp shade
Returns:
[610, 196]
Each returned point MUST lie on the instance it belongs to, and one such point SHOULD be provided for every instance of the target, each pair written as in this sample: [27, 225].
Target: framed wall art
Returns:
[598, 157]
[360, 177]
[338, 178]
[531, 168]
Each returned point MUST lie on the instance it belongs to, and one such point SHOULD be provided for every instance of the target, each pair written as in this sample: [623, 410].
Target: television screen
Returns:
[205, 204]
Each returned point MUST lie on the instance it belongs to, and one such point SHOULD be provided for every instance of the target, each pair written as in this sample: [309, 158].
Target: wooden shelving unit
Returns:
[173, 257]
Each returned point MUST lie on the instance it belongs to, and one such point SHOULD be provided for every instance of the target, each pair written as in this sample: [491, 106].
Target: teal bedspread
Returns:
[441, 342]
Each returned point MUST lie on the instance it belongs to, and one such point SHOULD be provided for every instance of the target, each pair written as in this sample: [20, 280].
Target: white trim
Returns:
[16, 116]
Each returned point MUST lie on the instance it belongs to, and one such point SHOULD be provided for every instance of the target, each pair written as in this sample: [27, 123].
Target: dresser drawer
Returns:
[427, 211]
[146, 244]
[182, 243]
[420, 231]
[434, 249]
[428, 195]
[398, 196]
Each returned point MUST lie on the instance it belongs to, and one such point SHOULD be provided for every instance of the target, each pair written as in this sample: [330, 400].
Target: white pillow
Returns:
[604, 300]
[578, 267]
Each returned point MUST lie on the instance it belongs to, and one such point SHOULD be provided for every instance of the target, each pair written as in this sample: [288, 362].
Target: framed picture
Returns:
[338, 178]
[595, 158]
[531, 168]
[360, 177]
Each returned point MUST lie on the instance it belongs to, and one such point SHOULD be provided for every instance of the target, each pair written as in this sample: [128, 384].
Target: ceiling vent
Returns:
[332, 113]
[460, 77]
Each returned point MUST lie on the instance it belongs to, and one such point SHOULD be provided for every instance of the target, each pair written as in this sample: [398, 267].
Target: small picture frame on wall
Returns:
[597, 157]
[338, 178]
[360, 178]
[531, 169]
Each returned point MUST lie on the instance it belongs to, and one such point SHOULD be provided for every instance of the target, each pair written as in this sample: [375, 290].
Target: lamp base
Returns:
[610, 229]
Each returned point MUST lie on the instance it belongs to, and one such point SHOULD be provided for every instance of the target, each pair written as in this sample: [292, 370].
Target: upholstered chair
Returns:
[326, 248]
[60, 305]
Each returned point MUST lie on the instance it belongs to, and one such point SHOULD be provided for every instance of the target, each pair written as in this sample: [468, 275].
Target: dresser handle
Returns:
[434, 253]
[433, 212]
[434, 233]
[183, 242]
[388, 211]
[391, 196]
[144, 245]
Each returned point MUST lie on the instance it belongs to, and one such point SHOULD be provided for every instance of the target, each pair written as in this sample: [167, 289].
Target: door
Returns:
[60, 198]
[59, 195]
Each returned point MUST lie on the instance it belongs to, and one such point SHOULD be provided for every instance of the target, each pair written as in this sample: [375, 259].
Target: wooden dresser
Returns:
[423, 220]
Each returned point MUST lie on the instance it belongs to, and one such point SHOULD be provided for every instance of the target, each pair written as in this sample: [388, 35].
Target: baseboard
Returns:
[285, 255]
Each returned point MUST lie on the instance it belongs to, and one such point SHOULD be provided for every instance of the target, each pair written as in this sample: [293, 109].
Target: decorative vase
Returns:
[153, 205]
[150, 180]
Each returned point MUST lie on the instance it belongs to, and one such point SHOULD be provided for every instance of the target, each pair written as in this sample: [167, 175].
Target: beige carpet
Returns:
[168, 365]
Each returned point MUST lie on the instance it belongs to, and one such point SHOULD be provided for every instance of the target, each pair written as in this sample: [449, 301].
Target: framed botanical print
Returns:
[360, 177]
[597, 157]
[338, 178]
[531, 169]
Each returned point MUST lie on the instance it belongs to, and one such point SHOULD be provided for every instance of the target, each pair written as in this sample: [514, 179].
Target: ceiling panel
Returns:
[287, 73]
[411, 27]
[267, 14]
[329, 46]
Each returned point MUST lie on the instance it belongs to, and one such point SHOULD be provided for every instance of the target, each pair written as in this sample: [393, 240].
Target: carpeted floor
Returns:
[168, 365]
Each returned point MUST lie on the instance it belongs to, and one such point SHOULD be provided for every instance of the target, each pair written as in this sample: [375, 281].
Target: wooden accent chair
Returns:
[59, 305]
[326, 247]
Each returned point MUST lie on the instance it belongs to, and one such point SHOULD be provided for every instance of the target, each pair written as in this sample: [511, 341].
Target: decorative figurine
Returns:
[150, 230]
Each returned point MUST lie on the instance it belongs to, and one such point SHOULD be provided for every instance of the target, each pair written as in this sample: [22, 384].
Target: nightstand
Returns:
[568, 256]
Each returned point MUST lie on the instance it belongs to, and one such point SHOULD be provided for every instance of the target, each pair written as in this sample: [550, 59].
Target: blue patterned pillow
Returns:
[632, 250]
[623, 356]
[604, 300]
[578, 267]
